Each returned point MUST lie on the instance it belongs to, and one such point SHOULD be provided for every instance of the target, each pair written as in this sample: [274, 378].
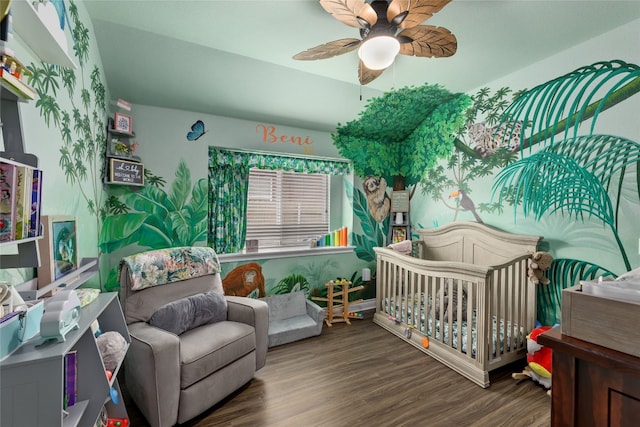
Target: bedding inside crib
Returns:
[404, 312]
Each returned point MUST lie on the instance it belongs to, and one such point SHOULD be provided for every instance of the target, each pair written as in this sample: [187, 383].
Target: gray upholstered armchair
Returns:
[191, 346]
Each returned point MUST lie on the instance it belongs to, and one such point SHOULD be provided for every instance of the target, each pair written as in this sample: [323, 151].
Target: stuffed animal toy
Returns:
[538, 264]
[113, 347]
[538, 360]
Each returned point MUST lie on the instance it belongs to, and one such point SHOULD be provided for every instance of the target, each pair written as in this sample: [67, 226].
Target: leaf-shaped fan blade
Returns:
[427, 41]
[328, 50]
[418, 11]
[351, 12]
[366, 75]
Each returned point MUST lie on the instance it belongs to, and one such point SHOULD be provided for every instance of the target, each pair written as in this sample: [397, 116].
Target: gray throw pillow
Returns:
[188, 313]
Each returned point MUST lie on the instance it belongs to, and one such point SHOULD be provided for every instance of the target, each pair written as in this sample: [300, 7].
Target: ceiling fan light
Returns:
[378, 53]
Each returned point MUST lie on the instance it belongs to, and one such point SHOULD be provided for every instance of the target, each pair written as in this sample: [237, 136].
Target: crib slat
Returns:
[515, 314]
[471, 306]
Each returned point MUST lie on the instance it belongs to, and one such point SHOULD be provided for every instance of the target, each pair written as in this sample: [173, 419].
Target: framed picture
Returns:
[58, 248]
[400, 201]
[123, 123]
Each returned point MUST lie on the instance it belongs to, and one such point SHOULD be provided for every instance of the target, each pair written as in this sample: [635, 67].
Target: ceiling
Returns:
[234, 58]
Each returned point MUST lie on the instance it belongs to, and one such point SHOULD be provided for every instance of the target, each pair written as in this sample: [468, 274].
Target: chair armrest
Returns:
[254, 313]
[152, 372]
[315, 311]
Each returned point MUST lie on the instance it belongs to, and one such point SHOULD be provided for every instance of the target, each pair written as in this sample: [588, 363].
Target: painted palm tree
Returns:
[576, 175]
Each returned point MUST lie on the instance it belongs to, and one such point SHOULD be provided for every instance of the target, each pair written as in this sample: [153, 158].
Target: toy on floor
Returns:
[339, 298]
[538, 360]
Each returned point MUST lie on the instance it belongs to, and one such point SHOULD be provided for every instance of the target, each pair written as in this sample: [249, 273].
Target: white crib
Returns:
[465, 289]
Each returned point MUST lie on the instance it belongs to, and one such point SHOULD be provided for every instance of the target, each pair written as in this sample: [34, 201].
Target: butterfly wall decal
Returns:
[197, 130]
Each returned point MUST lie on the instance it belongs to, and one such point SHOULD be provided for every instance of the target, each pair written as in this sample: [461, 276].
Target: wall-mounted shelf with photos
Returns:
[122, 166]
[119, 142]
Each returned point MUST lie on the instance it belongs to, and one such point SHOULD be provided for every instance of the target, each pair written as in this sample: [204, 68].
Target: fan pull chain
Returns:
[360, 80]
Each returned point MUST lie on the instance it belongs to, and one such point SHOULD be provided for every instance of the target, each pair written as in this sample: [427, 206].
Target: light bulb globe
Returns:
[378, 53]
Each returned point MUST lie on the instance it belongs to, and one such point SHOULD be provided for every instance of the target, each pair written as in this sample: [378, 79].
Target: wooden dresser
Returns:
[592, 385]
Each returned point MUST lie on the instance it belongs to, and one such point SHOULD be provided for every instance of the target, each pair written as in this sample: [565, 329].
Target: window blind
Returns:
[286, 208]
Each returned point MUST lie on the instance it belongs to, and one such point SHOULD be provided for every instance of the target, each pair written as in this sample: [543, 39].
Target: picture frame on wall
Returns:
[58, 248]
[123, 123]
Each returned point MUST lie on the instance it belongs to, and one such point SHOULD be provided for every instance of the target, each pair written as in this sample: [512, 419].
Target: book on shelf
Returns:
[399, 234]
[23, 89]
[26, 203]
[8, 180]
[21, 188]
[36, 199]
[70, 379]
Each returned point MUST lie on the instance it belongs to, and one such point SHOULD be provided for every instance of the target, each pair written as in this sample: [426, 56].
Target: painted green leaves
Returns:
[561, 105]
[403, 132]
[156, 219]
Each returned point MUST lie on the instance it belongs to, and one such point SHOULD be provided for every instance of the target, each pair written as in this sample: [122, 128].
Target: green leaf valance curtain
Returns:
[228, 185]
[272, 161]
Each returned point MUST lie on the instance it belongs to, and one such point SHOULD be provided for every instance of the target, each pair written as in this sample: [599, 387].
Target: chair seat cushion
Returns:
[210, 347]
[292, 329]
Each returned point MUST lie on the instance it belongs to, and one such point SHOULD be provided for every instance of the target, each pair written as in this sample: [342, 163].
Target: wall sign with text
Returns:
[126, 172]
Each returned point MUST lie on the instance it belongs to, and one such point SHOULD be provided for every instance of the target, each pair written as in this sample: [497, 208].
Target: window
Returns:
[286, 208]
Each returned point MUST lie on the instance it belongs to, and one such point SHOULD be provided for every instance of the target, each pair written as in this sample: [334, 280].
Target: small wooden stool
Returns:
[341, 299]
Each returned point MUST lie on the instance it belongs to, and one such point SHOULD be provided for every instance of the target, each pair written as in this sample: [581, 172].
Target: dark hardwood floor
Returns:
[360, 375]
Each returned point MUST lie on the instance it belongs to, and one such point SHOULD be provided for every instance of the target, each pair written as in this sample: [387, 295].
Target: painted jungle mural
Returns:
[153, 218]
[247, 279]
[244, 280]
[572, 174]
[73, 102]
[580, 174]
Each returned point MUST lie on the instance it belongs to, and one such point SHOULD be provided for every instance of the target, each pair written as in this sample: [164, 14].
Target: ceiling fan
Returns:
[379, 22]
